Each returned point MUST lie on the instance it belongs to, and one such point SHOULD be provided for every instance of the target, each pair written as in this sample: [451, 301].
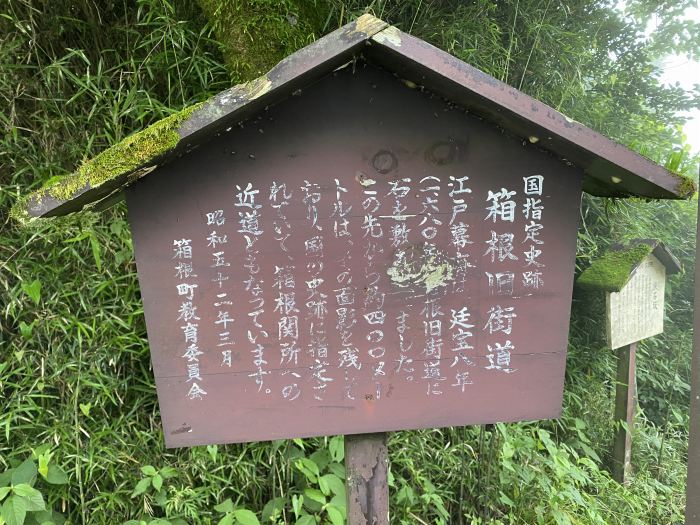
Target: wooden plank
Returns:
[625, 406]
[611, 169]
[366, 465]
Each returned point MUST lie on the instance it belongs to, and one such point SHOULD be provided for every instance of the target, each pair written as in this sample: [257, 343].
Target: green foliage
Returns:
[75, 370]
[256, 34]
[22, 503]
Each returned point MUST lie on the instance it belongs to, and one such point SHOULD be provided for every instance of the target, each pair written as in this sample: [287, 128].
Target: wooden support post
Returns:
[692, 506]
[625, 405]
[366, 466]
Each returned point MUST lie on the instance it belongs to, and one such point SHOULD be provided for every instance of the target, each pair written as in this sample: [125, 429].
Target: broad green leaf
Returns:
[507, 451]
[245, 517]
[26, 329]
[335, 515]
[33, 497]
[33, 290]
[322, 458]
[44, 465]
[56, 475]
[272, 507]
[24, 473]
[337, 448]
[306, 519]
[323, 485]
[85, 408]
[141, 487]
[116, 227]
[96, 253]
[227, 520]
[297, 503]
[339, 502]
[334, 484]
[315, 495]
[43, 516]
[157, 481]
[4, 491]
[168, 472]
[506, 500]
[149, 470]
[308, 468]
[161, 498]
[224, 506]
[58, 518]
[14, 510]
[406, 494]
[6, 477]
[338, 469]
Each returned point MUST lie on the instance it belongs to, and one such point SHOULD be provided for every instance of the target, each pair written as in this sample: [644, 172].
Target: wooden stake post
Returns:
[625, 406]
[366, 470]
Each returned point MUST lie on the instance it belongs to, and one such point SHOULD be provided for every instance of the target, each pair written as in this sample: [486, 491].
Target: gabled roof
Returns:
[609, 168]
[613, 270]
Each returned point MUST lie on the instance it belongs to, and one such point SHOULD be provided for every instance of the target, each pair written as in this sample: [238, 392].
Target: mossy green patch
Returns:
[612, 271]
[686, 186]
[120, 159]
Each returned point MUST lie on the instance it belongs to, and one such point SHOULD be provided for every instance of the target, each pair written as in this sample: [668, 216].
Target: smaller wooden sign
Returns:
[633, 278]
[637, 311]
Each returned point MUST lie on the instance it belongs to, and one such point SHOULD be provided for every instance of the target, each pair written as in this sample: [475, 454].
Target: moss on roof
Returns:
[122, 158]
[686, 186]
[612, 271]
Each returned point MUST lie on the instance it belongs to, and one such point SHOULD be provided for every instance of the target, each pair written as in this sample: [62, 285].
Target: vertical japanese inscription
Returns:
[313, 285]
[187, 314]
[250, 229]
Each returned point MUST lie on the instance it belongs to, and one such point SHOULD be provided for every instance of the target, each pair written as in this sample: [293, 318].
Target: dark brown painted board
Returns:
[366, 132]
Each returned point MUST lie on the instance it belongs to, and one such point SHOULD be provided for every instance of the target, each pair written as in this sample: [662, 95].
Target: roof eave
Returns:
[610, 169]
[226, 108]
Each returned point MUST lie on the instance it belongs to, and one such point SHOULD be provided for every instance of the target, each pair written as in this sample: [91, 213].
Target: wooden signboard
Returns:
[637, 311]
[361, 257]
